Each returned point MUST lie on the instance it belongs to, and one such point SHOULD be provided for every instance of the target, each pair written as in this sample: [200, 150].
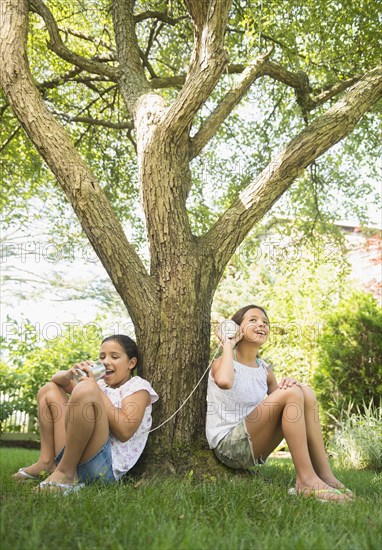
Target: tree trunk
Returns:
[174, 369]
[176, 347]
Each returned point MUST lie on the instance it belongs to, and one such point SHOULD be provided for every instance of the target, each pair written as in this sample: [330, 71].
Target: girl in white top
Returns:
[93, 430]
[249, 413]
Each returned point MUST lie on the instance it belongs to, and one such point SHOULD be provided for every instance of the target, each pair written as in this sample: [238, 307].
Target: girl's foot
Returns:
[326, 495]
[59, 488]
[336, 484]
[58, 482]
[34, 472]
[58, 477]
[321, 491]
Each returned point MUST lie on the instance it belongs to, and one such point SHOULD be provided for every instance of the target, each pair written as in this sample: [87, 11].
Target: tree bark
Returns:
[177, 362]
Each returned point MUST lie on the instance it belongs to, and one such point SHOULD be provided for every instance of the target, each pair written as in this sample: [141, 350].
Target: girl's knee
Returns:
[304, 393]
[48, 388]
[309, 395]
[86, 391]
[294, 393]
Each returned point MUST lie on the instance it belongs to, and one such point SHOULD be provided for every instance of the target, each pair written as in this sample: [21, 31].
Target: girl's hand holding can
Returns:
[229, 331]
[80, 371]
[88, 370]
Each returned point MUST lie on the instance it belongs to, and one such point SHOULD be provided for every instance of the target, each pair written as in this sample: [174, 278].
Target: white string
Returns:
[185, 401]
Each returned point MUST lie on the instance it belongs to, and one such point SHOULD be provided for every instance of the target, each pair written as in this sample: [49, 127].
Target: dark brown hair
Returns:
[129, 347]
[238, 316]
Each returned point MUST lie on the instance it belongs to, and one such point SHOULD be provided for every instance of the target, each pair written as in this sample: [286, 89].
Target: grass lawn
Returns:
[231, 512]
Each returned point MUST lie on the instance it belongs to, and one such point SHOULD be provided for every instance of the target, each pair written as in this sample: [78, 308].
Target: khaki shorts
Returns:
[235, 449]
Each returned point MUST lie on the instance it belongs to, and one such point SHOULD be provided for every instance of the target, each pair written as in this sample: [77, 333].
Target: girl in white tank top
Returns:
[249, 412]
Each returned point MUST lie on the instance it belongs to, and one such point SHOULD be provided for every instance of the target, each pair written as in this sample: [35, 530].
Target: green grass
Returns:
[232, 513]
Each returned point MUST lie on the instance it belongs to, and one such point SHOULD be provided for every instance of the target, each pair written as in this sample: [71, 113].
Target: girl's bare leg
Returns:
[52, 401]
[283, 414]
[87, 430]
[315, 440]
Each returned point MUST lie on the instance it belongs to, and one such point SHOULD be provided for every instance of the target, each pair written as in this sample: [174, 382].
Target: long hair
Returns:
[129, 347]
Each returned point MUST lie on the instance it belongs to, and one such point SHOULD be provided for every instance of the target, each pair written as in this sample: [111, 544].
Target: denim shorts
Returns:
[235, 449]
[97, 468]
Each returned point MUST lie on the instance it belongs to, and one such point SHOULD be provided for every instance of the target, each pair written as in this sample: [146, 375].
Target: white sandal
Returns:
[64, 489]
[24, 476]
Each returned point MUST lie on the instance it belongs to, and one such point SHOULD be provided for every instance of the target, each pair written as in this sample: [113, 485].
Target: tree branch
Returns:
[198, 9]
[3, 109]
[147, 63]
[101, 93]
[281, 74]
[132, 81]
[167, 82]
[58, 47]
[97, 218]
[160, 16]
[299, 81]
[226, 106]
[9, 139]
[51, 84]
[207, 62]
[97, 122]
[88, 38]
[256, 199]
[277, 72]
[154, 33]
[333, 90]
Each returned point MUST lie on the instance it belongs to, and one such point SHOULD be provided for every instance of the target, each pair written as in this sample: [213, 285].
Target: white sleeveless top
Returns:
[125, 454]
[227, 408]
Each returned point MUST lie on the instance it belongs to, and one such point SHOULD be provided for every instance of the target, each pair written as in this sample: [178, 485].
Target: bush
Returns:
[350, 354]
[11, 398]
[29, 367]
[357, 440]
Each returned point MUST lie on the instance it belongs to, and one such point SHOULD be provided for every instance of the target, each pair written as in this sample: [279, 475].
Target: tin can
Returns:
[229, 329]
[98, 370]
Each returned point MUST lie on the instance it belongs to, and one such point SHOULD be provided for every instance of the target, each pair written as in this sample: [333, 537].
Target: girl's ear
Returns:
[133, 363]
